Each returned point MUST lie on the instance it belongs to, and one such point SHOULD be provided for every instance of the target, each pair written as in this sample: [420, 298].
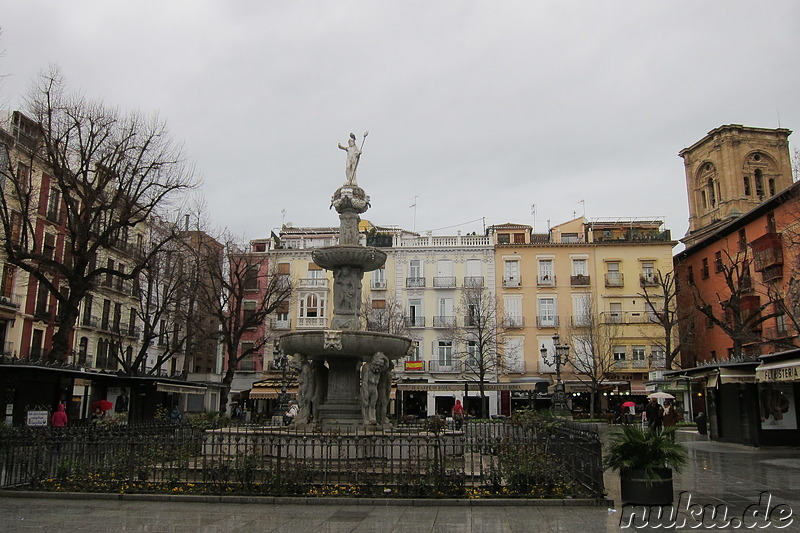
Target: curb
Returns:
[284, 500]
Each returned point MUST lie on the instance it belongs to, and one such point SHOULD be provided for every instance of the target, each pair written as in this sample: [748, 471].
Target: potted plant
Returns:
[645, 460]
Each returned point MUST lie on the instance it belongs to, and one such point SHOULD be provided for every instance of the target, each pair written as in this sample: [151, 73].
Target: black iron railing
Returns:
[411, 460]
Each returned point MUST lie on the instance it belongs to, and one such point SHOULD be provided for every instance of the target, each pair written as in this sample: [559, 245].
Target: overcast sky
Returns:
[476, 109]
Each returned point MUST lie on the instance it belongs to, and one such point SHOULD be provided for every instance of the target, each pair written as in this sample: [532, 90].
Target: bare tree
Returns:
[738, 310]
[385, 316]
[240, 290]
[479, 345]
[592, 356]
[106, 173]
[661, 299]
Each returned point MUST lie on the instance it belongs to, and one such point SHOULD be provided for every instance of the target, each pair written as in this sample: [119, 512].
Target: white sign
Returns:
[37, 418]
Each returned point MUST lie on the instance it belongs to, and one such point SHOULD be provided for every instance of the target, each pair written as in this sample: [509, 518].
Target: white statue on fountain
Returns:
[353, 156]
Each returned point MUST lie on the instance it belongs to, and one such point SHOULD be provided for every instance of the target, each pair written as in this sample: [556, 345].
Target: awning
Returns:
[269, 392]
[777, 372]
[735, 375]
[180, 389]
[473, 387]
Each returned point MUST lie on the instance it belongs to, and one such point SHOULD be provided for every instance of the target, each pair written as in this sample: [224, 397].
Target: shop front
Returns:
[778, 379]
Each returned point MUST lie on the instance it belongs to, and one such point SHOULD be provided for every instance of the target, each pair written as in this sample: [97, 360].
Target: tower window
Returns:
[759, 183]
[747, 185]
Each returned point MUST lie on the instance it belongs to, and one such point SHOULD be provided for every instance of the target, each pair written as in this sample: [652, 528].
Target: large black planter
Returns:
[638, 490]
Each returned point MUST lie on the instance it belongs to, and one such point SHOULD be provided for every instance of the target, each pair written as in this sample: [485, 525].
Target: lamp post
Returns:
[281, 361]
[559, 357]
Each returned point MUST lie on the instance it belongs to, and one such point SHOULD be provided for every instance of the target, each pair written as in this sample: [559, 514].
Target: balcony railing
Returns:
[312, 322]
[580, 280]
[280, 324]
[615, 279]
[415, 321]
[89, 321]
[377, 284]
[444, 321]
[514, 321]
[647, 280]
[473, 281]
[547, 321]
[511, 281]
[415, 283]
[548, 280]
[445, 367]
[630, 364]
[515, 367]
[43, 312]
[444, 282]
[312, 283]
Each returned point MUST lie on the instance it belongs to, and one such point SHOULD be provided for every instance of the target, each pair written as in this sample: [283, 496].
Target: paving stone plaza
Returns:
[726, 476]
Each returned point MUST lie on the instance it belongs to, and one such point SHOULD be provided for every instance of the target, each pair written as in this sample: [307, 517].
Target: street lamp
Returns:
[281, 361]
[559, 357]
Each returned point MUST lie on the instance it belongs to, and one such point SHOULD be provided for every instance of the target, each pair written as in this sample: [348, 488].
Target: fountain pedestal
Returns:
[348, 393]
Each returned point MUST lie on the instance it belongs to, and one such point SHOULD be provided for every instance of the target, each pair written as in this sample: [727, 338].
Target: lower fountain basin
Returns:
[342, 255]
[325, 344]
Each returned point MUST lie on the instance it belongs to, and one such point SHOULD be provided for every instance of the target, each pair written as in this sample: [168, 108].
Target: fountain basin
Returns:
[327, 344]
[342, 255]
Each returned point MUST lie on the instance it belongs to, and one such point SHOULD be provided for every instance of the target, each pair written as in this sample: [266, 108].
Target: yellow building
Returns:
[584, 280]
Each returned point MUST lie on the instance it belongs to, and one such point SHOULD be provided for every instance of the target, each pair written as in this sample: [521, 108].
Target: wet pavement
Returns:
[728, 477]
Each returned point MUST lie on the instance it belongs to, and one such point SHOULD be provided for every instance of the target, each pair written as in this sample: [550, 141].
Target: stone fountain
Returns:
[345, 373]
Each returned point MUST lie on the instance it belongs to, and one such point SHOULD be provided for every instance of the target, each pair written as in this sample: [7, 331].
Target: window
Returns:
[7, 288]
[247, 363]
[42, 310]
[379, 278]
[619, 353]
[579, 267]
[49, 246]
[742, 240]
[53, 204]
[546, 312]
[747, 191]
[648, 272]
[511, 273]
[312, 306]
[503, 238]
[445, 353]
[759, 179]
[415, 318]
[690, 275]
[36, 344]
[250, 281]
[771, 227]
[513, 309]
[415, 275]
[569, 237]
[445, 312]
[248, 314]
[546, 276]
[659, 356]
[615, 312]
[712, 193]
[514, 361]
[132, 323]
[781, 325]
[717, 261]
[652, 314]
[581, 310]
[473, 358]
[638, 353]
[771, 185]
[474, 277]
[83, 350]
[613, 275]
[444, 274]
[704, 270]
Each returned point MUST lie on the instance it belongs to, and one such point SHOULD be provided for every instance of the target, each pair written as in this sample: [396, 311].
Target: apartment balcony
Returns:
[580, 321]
[43, 312]
[312, 283]
[415, 283]
[631, 364]
[444, 367]
[473, 321]
[547, 321]
[312, 322]
[415, 321]
[511, 281]
[377, 284]
[546, 281]
[515, 322]
[276, 324]
[767, 251]
[580, 280]
[444, 321]
[473, 281]
[615, 279]
[89, 321]
[648, 280]
[444, 282]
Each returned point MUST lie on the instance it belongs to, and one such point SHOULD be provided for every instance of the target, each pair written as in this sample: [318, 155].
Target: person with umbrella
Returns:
[99, 409]
[655, 414]
[628, 411]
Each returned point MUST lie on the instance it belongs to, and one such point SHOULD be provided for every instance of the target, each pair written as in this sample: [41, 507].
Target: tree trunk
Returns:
[61, 347]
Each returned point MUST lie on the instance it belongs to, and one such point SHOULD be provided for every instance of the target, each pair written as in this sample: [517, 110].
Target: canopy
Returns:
[661, 396]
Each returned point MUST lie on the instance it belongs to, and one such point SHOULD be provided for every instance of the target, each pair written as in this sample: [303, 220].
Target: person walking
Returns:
[458, 414]
[655, 415]
[671, 415]
[59, 418]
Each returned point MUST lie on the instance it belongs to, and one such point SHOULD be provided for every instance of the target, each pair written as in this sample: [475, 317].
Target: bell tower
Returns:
[732, 170]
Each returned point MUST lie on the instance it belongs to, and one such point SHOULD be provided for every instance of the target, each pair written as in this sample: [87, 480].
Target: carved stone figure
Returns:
[370, 377]
[320, 388]
[305, 387]
[353, 155]
[384, 390]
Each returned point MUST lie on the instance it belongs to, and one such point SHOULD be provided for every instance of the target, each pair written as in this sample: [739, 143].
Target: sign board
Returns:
[777, 372]
[37, 418]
